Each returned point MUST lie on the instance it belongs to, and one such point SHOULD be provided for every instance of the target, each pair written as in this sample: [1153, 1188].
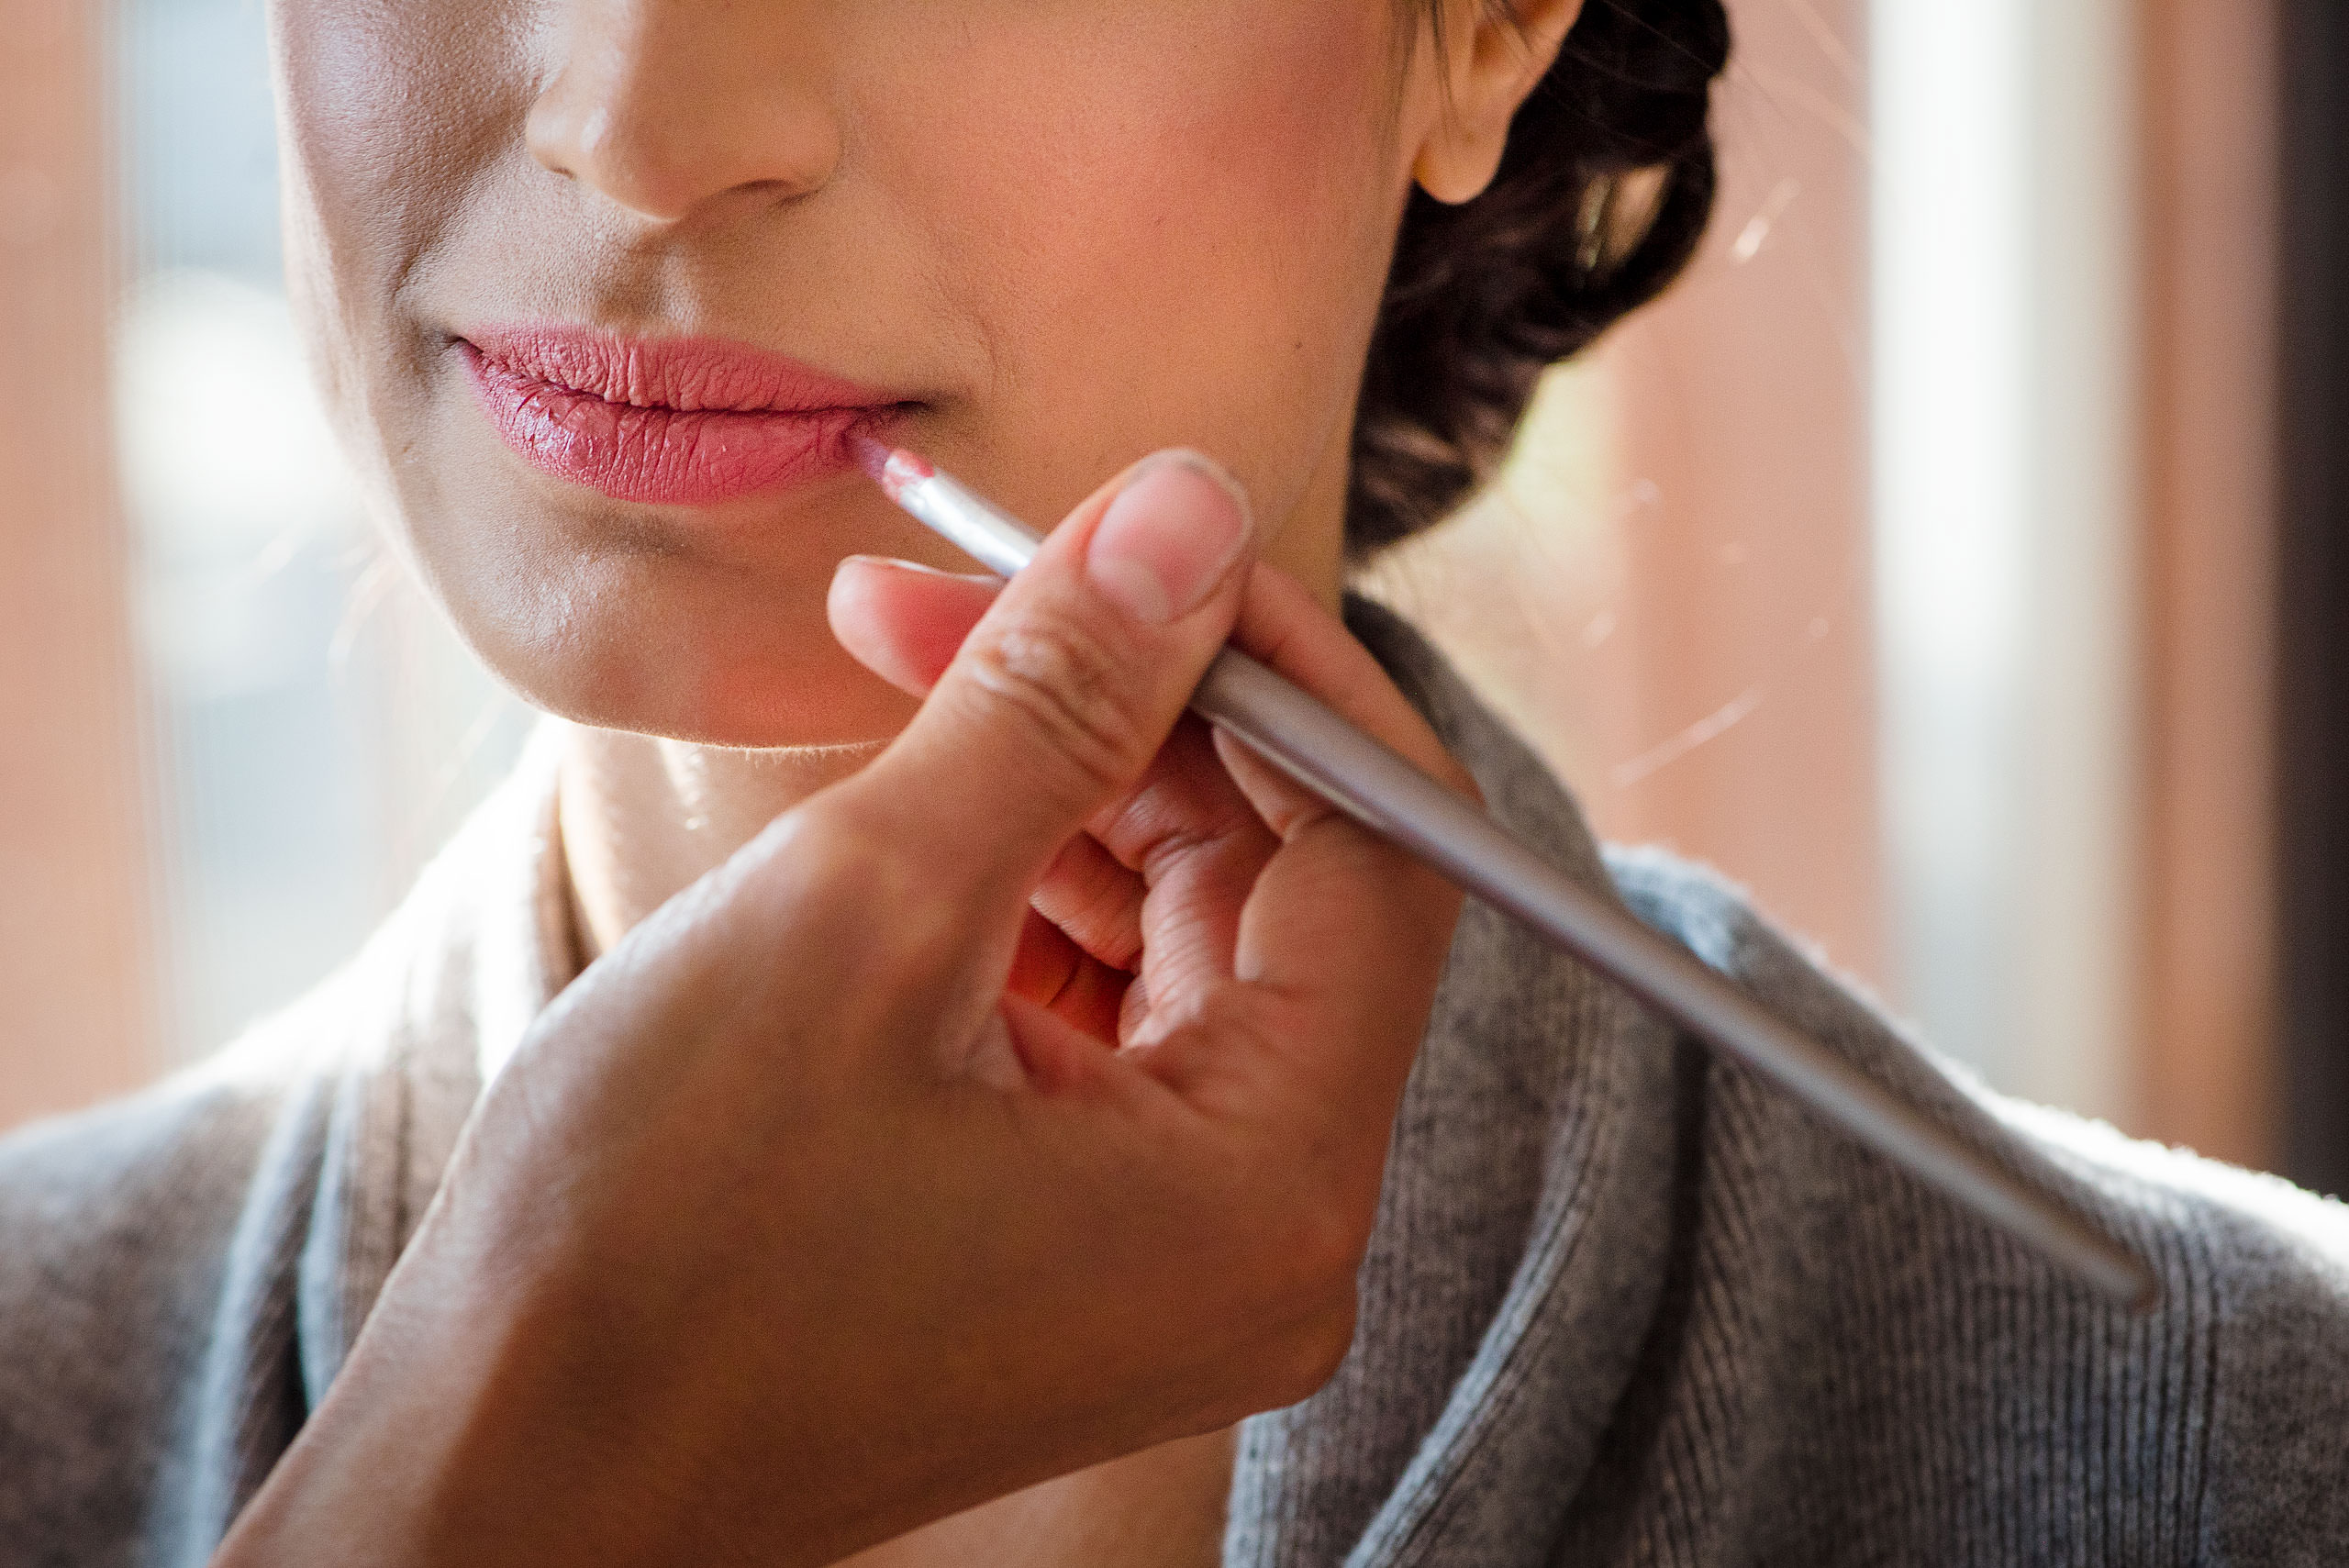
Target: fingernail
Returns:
[1169, 536]
[896, 564]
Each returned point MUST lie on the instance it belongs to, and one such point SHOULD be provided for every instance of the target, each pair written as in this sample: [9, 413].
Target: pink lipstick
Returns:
[666, 421]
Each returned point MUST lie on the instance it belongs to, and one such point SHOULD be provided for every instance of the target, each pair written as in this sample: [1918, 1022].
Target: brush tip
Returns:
[892, 468]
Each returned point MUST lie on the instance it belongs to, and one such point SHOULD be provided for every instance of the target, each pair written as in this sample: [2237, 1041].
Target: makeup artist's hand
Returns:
[823, 1207]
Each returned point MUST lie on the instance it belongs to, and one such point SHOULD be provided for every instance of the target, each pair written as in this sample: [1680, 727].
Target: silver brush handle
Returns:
[1385, 793]
[1379, 789]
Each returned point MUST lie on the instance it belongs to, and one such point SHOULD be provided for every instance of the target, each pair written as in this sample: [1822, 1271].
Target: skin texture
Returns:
[1067, 233]
[940, 1242]
[1074, 233]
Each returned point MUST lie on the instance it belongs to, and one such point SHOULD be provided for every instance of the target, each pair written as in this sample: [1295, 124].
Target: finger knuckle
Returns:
[1454, 776]
[841, 855]
[1428, 752]
[1310, 1255]
[1324, 1243]
[1310, 1352]
[1061, 680]
[829, 842]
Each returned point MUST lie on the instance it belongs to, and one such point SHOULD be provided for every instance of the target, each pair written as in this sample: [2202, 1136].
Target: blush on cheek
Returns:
[1235, 145]
[1173, 218]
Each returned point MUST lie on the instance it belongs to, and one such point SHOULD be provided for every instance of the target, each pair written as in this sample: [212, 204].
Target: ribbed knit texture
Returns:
[1624, 1305]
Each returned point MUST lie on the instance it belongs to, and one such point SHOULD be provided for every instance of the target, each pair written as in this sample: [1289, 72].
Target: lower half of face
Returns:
[598, 289]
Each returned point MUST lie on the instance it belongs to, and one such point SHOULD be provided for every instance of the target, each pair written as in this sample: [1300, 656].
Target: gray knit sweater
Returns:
[1624, 1303]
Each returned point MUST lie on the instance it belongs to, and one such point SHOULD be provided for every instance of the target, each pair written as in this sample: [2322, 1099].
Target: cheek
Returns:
[1102, 225]
[1176, 226]
[390, 112]
[396, 121]
[390, 116]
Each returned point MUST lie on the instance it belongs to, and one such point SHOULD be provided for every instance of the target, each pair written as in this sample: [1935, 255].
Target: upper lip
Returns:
[688, 374]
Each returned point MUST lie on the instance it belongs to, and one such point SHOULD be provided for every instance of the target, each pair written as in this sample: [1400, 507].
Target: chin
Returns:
[701, 668]
[685, 625]
[748, 713]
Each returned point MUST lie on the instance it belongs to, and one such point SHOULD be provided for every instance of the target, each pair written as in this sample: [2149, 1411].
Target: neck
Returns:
[644, 819]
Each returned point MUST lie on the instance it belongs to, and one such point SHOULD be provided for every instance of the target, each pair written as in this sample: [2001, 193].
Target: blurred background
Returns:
[1952, 558]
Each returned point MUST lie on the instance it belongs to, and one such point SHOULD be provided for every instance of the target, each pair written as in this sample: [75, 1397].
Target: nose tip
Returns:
[655, 121]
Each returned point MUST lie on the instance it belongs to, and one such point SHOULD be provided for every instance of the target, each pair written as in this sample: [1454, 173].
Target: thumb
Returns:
[1072, 680]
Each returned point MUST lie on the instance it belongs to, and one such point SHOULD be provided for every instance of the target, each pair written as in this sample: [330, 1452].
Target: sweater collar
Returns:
[1519, 1243]
[1519, 1237]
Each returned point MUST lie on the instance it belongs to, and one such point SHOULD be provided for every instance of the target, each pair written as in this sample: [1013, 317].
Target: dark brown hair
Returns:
[1601, 197]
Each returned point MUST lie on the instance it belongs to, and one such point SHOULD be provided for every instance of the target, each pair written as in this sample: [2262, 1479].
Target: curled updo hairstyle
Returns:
[1601, 197]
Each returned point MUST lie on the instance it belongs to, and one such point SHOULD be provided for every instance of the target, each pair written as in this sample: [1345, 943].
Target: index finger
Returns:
[1281, 625]
[1348, 929]
[1070, 682]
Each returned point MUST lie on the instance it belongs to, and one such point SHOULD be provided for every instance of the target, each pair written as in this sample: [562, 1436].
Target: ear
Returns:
[1485, 56]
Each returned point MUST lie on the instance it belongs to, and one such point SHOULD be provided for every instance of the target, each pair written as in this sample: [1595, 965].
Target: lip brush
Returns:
[1377, 789]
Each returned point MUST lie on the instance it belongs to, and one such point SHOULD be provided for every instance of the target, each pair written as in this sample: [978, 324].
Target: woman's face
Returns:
[598, 287]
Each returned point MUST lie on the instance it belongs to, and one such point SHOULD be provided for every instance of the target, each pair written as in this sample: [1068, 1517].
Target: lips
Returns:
[666, 421]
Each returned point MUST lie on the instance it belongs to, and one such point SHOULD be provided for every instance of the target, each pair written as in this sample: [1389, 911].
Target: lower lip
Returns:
[664, 456]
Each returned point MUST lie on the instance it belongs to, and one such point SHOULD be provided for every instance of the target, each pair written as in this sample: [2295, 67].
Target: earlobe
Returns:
[1491, 55]
[1455, 167]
